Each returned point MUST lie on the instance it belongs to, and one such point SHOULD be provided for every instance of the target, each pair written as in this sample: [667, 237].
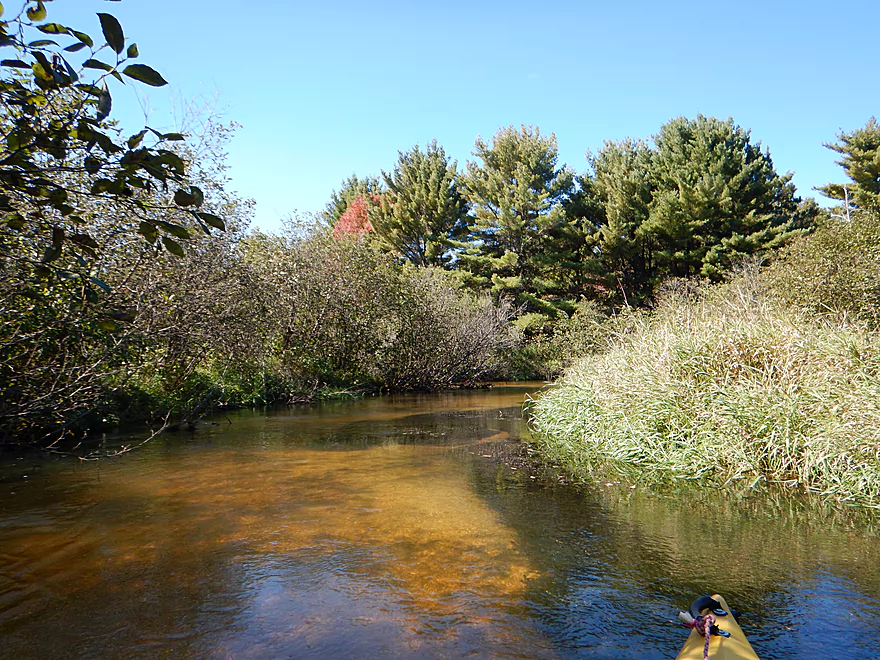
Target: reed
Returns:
[724, 385]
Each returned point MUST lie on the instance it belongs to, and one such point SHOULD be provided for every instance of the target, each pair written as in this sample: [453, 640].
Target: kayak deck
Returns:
[735, 647]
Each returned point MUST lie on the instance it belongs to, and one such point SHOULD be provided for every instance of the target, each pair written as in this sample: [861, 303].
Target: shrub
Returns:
[347, 315]
[834, 270]
[587, 331]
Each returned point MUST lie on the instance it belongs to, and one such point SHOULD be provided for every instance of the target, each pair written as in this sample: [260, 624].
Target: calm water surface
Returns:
[404, 527]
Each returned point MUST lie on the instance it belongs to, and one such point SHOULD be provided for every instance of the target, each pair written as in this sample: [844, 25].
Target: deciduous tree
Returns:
[59, 157]
[78, 207]
[350, 190]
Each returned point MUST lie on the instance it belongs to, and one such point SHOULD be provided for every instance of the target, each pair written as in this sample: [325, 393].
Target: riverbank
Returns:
[724, 386]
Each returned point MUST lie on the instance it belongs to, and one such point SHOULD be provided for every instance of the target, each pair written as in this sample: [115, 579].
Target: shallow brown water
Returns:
[403, 527]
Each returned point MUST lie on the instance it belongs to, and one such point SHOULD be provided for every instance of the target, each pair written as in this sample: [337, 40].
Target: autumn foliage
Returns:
[355, 221]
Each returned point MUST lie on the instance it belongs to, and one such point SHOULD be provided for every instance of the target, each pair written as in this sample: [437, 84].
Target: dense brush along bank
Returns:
[725, 386]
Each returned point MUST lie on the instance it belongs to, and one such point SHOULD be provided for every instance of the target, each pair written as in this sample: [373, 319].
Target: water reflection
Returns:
[403, 527]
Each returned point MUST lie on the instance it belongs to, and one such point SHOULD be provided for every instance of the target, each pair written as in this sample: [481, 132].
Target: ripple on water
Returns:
[399, 529]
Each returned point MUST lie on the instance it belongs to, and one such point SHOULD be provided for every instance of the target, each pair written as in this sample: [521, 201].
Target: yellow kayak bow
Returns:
[734, 647]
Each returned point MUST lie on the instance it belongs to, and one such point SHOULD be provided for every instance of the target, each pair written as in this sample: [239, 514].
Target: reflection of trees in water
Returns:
[609, 548]
[457, 430]
[406, 535]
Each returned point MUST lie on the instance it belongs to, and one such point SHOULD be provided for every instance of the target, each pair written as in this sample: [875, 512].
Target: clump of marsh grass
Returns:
[724, 384]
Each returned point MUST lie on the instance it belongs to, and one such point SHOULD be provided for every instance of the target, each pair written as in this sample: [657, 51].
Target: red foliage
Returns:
[355, 220]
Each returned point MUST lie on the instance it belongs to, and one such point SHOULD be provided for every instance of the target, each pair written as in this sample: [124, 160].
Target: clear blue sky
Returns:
[327, 89]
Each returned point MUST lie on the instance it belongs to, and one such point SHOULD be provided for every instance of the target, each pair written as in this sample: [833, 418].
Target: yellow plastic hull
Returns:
[735, 647]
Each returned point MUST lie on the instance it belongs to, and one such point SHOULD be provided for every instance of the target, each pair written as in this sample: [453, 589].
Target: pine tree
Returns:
[860, 151]
[423, 211]
[623, 187]
[693, 205]
[717, 197]
[348, 192]
[518, 194]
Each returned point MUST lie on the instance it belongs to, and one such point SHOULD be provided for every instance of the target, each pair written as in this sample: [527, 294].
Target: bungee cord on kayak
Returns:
[709, 616]
[704, 625]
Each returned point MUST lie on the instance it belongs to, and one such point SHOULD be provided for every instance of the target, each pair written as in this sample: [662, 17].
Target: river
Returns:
[409, 526]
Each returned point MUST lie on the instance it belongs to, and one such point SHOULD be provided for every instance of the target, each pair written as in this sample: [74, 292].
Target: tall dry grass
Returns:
[724, 384]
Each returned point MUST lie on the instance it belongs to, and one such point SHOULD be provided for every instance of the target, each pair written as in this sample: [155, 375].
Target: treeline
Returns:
[132, 331]
[692, 202]
[237, 318]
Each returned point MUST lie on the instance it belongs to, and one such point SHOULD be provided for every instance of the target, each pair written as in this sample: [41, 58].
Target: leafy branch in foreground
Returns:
[84, 211]
[62, 163]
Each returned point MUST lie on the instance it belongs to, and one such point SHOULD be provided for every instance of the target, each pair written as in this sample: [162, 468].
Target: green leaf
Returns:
[100, 186]
[144, 74]
[14, 141]
[41, 72]
[58, 197]
[83, 37]
[99, 283]
[70, 72]
[148, 231]
[52, 28]
[16, 64]
[173, 161]
[112, 32]
[212, 220]
[75, 47]
[198, 194]
[1, 9]
[57, 236]
[15, 221]
[85, 240]
[97, 64]
[172, 137]
[42, 42]
[90, 89]
[172, 246]
[184, 198]
[92, 165]
[174, 230]
[135, 140]
[51, 254]
[37, 13]
[43, 61]
[132, 51]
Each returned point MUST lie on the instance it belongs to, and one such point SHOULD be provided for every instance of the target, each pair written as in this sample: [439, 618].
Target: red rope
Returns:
[704, 627]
